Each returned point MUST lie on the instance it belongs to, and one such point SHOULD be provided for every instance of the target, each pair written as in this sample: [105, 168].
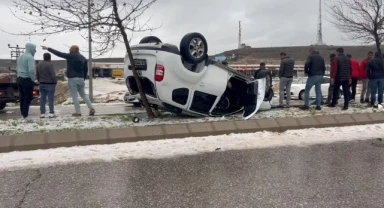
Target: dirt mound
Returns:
[62, 92]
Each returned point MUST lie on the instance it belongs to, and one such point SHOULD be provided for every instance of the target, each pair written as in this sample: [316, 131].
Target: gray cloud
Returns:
[265, 23]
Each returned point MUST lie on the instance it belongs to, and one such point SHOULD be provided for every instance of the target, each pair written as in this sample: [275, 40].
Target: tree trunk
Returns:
[135, 74]
[378, 47]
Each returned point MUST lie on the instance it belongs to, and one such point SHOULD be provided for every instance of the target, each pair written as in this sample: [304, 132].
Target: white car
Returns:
[187, 82]
[128, 98]
[298, 88]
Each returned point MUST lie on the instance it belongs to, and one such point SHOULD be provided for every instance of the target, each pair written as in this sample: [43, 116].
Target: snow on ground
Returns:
[187, 146]
[105, 90]
[66, 123]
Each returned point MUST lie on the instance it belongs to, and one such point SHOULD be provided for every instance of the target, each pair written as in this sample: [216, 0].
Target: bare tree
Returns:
[360, 20]
[111, 22]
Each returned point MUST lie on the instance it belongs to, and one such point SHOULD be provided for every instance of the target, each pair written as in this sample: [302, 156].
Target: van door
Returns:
[256, 94]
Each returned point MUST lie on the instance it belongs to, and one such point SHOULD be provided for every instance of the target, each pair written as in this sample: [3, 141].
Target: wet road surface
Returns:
[329, 175]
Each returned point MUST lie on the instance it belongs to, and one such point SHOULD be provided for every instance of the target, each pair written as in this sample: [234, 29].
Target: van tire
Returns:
[190, 51]
[268, 76]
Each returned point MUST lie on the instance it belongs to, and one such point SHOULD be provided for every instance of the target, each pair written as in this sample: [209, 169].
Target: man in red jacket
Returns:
[355, 69]
[366, 90]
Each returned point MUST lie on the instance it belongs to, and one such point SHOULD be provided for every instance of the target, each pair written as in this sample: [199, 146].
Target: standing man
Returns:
[77, 71]
[376, 79]
[26, 69]
[366, 90]
[330, 88]
[287, 65]
[341, 76]
[46, 76]
[262, 67]
[315, 69]
[355, 77]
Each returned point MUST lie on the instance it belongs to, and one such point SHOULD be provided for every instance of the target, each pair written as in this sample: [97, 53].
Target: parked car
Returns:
[128, 98]
[298, 88]
[185, 81]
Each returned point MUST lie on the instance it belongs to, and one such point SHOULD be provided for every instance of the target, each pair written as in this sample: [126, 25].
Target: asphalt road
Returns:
[328, 175]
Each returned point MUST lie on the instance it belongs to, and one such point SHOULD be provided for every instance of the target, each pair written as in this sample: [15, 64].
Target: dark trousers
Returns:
[352, 90]
[25, 86]
[336, 89]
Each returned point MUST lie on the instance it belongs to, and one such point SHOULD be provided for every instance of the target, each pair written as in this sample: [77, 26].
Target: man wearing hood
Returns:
[77, 71]
[376, 79]
[26, 70]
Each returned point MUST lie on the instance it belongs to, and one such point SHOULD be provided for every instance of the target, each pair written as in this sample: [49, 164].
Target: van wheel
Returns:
[2, 105]
[150, 39]
[194, 48]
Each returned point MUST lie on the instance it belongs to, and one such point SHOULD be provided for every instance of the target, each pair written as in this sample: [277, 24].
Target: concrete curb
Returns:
[34, 141]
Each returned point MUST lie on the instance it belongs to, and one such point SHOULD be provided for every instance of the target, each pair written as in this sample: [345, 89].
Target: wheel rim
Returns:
[196, 48]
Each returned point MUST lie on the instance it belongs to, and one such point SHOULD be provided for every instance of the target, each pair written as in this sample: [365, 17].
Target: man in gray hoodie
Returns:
[287, 65]
[46, 76]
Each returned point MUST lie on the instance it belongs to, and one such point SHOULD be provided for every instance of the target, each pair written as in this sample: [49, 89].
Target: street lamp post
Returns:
[90, 70]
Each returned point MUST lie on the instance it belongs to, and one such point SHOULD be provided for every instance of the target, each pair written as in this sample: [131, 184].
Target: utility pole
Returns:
[239, 34]
[319, 28]
[90, 69]
[16, 51]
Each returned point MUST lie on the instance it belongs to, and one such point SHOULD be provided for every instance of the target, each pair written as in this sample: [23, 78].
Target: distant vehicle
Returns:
[298, 88]
[128, 98]
[117, 73]
[185, 81]
[9, 93]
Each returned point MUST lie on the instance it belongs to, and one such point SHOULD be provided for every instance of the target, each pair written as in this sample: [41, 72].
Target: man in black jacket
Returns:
[341, 76]
[77, 71]
[330, 88]
[287, 65]
[315, 69]
[376, 79]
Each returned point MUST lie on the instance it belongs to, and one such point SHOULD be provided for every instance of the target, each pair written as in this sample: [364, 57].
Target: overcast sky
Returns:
[265, 23]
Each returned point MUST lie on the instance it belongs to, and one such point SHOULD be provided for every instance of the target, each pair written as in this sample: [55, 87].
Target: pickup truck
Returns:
[9, 92]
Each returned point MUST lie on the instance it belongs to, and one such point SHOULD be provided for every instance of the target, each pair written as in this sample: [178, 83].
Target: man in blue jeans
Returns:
[46, 76]
[77, 71]
[315, 69]
[376, 79]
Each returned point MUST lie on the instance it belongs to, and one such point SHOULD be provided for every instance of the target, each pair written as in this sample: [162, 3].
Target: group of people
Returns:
[345, 73]
[29, 73]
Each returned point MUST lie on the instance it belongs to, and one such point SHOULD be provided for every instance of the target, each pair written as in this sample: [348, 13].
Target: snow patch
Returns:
[188, 146]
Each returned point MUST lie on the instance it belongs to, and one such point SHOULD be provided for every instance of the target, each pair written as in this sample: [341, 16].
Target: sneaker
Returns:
[42, 116]
[304, 107]
[318, 108]
[366, 100]
[362, 101]
[28, 120]
[92, 112]
[345, 108]
[52, 115]
[352, 101]
[76, 114]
